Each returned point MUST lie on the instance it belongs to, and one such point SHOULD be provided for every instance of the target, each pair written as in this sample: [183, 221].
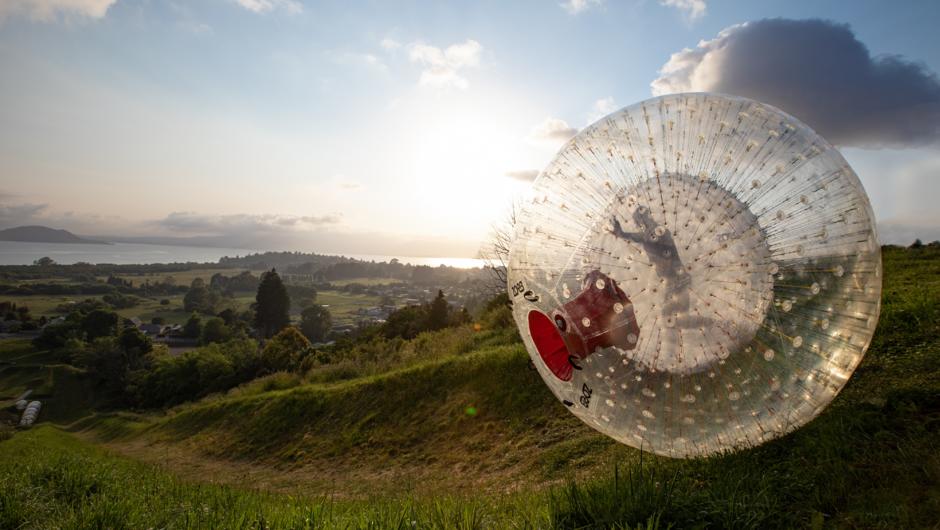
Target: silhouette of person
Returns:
[660, 247]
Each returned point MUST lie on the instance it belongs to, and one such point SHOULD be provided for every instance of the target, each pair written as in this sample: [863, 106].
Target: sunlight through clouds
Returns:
[442, 68]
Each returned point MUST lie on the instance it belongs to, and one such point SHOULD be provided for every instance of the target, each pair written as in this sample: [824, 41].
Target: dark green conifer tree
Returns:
[272, 305]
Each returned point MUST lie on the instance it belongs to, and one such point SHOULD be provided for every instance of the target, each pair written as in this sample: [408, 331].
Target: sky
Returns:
[408, 128]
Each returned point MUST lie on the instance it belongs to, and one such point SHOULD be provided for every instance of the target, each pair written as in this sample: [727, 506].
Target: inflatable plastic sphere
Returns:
[696, 273]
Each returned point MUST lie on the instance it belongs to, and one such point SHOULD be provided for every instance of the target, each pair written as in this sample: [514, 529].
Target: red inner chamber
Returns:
[550, 345]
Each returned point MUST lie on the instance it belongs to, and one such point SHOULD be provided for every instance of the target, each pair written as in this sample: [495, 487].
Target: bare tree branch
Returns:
[495, 252]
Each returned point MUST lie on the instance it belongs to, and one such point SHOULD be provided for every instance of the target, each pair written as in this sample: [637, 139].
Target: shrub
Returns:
[285, 351]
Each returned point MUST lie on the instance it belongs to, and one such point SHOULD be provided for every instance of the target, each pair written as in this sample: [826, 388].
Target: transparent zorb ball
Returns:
[696, 273]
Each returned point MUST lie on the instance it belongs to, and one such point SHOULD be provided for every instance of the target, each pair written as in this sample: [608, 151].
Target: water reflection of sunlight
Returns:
[460, 263]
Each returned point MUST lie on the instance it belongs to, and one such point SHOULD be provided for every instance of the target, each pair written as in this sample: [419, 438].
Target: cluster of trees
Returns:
[89, 271]
[120, 301]
[242, 282]
[918, 244]
[131, 370]
[409, 321]
[421, 274]
[20, 315]
[282, 260]
[200, 299]
[223, 327]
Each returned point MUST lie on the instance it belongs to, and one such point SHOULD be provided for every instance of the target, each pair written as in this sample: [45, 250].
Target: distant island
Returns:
[44, 234]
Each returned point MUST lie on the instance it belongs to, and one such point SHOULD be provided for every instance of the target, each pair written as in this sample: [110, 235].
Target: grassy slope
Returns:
[63, 389]
[871, 460]
[49, 479]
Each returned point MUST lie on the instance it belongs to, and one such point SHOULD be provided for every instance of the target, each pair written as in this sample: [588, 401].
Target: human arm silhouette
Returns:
[638, 237]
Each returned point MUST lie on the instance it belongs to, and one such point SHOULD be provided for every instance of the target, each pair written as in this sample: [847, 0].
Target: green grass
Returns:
[181, 277]
[366, 281]
[64, 390]
[45, 305]
[870, 460]
[343, 306]
[49, 479]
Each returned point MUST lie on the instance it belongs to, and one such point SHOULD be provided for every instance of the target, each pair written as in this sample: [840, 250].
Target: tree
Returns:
[198, 298]
[99, 323]
[228, 316]
[135, 345]
[438, 312]
[214, 330]
[285, 351]
[495, 252]
[193, 326]
[271, 306]
[315, 322]
[44, 261]
[406, 322]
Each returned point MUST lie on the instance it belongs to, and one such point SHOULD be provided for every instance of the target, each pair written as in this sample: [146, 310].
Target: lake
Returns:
[19, 253]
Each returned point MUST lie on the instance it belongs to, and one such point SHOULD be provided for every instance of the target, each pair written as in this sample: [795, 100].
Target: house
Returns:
[152, 330]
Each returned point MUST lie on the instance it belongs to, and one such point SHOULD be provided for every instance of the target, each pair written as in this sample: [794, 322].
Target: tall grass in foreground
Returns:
[49, 479]
[866, 466]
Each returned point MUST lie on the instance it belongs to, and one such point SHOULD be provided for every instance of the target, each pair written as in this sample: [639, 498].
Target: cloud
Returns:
[819, 72]
[263, 6]
[442, 67]
[691, 9]
[20, 214]
[50, 10]
[573, 7]
[601, 108]
[389, 44]
[526, 175]
[191, 223]
[552, 130]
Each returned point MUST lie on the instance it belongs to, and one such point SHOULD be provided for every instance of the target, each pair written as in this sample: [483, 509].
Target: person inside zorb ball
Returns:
[696, 273]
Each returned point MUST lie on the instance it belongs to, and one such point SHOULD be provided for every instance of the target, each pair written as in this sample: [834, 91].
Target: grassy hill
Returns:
[458, 430]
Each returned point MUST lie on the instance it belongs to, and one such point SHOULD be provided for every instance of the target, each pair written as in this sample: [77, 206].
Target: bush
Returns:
[99, 323]
[56, 335]
[285, 351]
[214, 330]
[197, 373]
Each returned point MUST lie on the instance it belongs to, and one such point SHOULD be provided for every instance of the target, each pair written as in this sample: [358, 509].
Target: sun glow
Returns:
[455, 161]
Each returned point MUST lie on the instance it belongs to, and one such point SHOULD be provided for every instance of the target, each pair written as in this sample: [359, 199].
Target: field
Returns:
[180, 277]
[456, 431]
[366, 281]
[343, 305]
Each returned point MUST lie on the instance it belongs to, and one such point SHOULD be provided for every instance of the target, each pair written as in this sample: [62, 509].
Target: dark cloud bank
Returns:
[819, 72]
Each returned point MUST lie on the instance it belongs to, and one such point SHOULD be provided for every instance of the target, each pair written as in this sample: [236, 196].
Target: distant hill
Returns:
[44, 234]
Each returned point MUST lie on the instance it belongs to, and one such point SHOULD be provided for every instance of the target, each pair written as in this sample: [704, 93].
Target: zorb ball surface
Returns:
[696, 273]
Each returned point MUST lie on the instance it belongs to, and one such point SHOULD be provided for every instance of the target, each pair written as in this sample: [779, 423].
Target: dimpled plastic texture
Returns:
[696, 273]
